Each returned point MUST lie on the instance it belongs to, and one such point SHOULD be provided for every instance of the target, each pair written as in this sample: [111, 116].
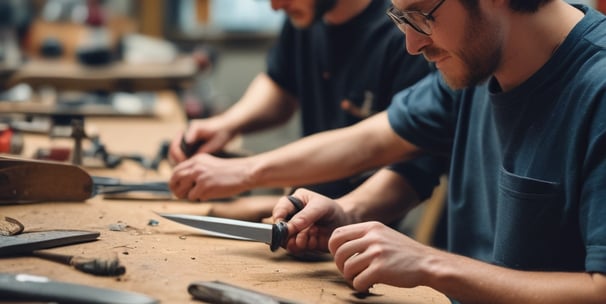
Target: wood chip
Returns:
[10, 226]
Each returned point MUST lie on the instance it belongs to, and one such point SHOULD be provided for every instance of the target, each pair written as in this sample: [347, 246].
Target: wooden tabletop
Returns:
[162, 257]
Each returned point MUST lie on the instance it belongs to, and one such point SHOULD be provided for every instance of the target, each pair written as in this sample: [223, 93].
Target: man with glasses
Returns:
[520, 106]
[339, 62]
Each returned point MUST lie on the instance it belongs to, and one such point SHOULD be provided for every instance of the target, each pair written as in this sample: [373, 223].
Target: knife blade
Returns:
[273, 234]
[25, 287]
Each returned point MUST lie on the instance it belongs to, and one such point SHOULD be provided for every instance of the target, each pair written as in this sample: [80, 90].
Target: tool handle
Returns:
[279, 235]
[101, 266]
[220, 292]
[190, 149]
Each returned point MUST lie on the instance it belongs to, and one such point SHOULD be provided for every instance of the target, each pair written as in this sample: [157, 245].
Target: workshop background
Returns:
[227, 39]
[236, 34]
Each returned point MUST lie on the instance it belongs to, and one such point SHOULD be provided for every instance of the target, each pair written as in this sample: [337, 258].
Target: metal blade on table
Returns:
[230, 228]
[29, 241]
[274, 235]
[26, 287]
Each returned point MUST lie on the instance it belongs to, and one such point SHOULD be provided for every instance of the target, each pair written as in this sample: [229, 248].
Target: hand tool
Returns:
[109, 185]
[190, 149]
[220, 292]
[97, 266]
[25, 180]
[26, 287]
[273, 234]
[27, 242]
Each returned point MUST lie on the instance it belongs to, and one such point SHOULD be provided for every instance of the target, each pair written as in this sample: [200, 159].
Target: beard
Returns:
[480, 56]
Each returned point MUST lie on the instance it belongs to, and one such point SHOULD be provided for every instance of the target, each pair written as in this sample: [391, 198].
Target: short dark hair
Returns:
[528, 6]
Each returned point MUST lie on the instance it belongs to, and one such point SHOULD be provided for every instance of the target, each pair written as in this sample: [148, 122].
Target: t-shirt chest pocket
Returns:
[529, 217]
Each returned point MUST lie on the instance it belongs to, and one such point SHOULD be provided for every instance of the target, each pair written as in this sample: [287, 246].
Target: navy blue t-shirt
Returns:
[527, 184]
[363, 61]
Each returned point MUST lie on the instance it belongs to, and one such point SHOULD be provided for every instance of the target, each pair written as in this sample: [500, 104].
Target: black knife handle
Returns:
[190, 149]
[279, 235]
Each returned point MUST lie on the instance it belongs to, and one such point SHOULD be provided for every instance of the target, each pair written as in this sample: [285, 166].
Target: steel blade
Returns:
[225, 227]
[32, 288]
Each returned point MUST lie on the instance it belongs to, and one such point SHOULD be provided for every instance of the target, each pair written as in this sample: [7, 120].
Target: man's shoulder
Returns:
[594, 28]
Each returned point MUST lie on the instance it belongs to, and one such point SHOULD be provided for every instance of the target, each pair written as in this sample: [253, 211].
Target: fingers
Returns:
[283, 208]
[206, 137]
[344, 243]
[175, 154]
[310, 228]
[181, 181]
[184, 180]
[204, 177]
[353, 255]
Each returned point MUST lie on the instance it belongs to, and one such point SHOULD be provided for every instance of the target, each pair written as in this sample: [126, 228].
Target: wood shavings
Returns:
[10, 226]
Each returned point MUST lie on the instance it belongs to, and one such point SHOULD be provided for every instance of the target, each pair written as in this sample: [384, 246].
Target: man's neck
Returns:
[533, 38]
[345, 10]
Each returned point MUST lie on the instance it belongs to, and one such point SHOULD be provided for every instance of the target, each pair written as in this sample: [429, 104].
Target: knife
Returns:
[273, 234]
[25, 287]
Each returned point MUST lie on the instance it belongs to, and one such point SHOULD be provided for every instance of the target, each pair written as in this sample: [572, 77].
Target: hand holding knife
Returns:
[275, 235]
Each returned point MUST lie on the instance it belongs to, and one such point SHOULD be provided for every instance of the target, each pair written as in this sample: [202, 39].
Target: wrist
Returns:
[256, 171]
[351, 210]
[436, 269]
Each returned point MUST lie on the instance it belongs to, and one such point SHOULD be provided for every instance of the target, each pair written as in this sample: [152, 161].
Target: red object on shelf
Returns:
[601, 5]
[96, 15]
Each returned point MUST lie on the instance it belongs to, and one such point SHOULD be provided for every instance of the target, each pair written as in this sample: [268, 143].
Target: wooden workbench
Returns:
[162, 260]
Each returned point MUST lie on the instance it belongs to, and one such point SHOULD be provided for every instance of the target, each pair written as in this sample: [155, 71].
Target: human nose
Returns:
[415, 41]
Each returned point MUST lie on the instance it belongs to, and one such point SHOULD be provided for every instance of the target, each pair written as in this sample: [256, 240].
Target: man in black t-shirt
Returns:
[338, 62]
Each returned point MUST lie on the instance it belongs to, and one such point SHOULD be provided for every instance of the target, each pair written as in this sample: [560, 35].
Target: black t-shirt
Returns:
[363, 61]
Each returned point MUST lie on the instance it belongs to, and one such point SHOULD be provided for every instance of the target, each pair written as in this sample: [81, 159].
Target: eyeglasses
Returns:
[419, 21]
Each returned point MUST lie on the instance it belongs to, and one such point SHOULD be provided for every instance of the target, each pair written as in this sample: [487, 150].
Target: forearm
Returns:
[263, 105]
[331, 155]
[471, 281]
[386, 196]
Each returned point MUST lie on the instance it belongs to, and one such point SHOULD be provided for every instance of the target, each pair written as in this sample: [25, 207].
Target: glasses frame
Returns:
[404, 17]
